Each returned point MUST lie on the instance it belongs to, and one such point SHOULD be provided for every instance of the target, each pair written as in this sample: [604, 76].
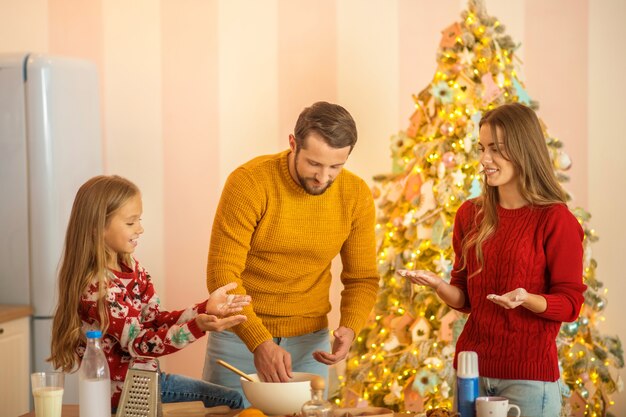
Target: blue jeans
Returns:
[179, 388]
[228, 347]
[534, 398]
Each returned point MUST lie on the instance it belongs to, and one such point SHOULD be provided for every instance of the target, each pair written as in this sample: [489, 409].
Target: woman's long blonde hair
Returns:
[84, 259]
[525, 147]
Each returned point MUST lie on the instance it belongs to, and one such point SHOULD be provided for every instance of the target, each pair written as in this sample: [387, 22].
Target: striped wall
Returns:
[192, 88]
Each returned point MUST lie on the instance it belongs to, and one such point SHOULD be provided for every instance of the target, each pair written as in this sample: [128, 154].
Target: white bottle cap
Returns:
[467, 365]
[93, 334]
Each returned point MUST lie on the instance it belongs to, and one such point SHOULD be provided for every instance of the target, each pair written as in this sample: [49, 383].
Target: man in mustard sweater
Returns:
[280, 222]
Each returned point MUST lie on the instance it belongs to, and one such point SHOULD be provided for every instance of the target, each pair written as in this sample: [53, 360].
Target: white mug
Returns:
[494, 407]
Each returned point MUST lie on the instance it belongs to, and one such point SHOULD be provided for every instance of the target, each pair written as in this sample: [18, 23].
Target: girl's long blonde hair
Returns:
[84, 259]
[525, 147]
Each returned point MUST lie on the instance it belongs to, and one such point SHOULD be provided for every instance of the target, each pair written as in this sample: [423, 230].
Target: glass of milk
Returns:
[47, 393]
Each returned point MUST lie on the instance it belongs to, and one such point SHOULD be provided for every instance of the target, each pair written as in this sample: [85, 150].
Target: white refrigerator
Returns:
[50, 143]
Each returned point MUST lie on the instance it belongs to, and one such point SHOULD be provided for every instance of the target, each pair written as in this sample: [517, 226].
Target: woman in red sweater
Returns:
[518, 265]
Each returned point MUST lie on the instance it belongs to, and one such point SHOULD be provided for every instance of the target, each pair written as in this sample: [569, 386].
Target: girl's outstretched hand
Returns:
[210, 323]
[421, 277]
[221, 304]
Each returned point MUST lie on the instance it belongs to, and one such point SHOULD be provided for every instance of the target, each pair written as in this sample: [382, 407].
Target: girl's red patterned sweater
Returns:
[137, 325]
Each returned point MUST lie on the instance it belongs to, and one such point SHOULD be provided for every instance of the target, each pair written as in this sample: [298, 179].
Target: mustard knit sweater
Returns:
[277, 242]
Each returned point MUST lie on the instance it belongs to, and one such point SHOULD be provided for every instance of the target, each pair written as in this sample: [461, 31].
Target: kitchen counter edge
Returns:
[10, 312]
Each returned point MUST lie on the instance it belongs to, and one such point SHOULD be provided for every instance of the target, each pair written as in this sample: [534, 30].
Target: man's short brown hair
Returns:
[331, 121]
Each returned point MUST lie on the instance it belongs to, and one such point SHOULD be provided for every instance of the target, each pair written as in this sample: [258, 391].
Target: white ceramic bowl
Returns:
[278, 398]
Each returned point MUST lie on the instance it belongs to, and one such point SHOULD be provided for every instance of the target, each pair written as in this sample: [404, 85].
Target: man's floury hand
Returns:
[341, 346]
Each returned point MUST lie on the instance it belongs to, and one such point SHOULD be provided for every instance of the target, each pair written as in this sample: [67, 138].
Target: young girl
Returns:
[518, 265]
[102, 287]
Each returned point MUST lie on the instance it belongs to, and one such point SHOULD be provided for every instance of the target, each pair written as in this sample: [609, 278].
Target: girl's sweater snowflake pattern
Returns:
[137, 325]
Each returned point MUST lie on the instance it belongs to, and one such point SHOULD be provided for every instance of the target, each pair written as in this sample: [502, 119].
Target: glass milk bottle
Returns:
[94, 383]
[317, 406]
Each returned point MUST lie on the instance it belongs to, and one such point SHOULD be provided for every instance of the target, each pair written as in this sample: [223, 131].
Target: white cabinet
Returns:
[15, 366]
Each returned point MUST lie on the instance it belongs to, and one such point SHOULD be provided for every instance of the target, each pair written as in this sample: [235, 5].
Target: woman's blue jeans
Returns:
[534, 398]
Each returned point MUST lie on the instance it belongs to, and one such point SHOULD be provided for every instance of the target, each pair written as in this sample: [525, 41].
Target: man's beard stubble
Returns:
[304, 182]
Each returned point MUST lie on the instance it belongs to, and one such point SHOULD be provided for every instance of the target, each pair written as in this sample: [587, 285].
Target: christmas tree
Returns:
[403, 357]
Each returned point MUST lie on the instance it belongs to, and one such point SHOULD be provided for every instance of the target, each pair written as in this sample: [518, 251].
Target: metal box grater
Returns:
[141, 395]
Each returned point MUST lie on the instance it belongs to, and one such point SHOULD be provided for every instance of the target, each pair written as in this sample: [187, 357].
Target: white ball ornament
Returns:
[563, 161]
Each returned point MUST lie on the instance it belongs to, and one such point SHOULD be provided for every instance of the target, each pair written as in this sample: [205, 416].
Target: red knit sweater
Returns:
[536, 248]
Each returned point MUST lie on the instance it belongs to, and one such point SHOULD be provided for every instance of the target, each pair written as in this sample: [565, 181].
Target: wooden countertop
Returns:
[190, 409]
[187, 409]
[10, 312]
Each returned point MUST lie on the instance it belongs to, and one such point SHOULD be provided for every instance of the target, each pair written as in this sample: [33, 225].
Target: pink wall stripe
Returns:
[556, 59]
[190, 156]
[419, 38]
[307, 58]
[75, 29]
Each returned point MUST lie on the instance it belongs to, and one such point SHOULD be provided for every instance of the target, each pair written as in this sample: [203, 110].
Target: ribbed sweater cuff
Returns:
[201, 307]
[254, 335]
[558, 310]
[352, 322]
[192, 325]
